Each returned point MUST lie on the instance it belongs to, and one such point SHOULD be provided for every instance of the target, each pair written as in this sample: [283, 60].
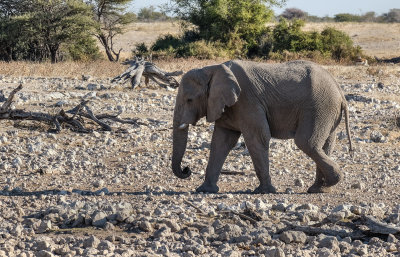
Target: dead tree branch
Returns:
[139, 68]
[75, 122]
[360, 227]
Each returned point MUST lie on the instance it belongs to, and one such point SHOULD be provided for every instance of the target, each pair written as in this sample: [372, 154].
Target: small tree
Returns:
[294, 13]
[60, 21]
[111, 18]
[150, 14]
[392, 16]
[229, 21]
[36, 29]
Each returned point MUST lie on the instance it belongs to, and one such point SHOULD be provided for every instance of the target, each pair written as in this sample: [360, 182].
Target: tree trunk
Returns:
[109, 53]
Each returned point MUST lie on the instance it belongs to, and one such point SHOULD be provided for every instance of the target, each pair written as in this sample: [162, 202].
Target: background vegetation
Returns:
[234, 29]
[58, 30]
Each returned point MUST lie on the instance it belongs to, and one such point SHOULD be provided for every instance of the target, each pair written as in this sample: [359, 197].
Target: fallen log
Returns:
[61, 119]
[139, 68]
[361, 227]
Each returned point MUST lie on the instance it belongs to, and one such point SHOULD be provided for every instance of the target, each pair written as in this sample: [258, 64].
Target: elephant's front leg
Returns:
[257, 138]
[223, 140]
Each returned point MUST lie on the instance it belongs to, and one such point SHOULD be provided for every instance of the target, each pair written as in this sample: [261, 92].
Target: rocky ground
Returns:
[114, 194]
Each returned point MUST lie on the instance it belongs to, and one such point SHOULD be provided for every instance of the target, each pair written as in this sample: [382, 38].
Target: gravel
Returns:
[113, 193]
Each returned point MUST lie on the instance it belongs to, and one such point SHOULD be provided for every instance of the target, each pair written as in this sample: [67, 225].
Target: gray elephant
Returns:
[297, 99]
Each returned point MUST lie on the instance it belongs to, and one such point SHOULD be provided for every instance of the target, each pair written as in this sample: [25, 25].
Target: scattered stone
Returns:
[293, 237]
[330, 242]
[145, 226]
[45, 226]
[98, 183]
[358, 185]
[274, 252]
[162, 232]
[106, 245]
[91, 242]
[299, 182]
[99, 219]
[377, 137]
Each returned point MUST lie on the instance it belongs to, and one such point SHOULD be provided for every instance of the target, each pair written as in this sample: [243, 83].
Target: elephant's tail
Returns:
[346, 119]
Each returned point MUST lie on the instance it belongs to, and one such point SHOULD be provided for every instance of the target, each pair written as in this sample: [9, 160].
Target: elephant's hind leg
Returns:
[319, 185]
[318, 144]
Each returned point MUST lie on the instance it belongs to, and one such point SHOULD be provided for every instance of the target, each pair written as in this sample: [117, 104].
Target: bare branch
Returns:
[6, 105]
[61, 118]
[139, 68]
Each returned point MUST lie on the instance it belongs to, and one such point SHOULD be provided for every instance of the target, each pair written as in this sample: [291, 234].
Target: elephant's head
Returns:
[202, 92]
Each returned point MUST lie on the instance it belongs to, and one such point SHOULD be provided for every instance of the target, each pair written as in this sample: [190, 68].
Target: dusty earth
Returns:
[114, 194]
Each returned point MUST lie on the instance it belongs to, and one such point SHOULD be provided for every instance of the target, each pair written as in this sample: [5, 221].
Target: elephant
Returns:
[294, 100]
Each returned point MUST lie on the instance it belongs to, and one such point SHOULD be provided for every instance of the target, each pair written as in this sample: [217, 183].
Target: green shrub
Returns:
[339, 44]
[347, 17]
[84, 49]
[167, 43]
[141, 49]
[287, 38]
[173, 46]
[284, 41]
[202, 50]
[227, 21]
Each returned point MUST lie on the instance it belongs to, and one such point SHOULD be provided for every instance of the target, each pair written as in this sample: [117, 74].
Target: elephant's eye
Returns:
[189, 100]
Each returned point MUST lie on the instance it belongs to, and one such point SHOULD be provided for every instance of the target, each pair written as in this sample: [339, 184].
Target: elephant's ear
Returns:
[223, 91]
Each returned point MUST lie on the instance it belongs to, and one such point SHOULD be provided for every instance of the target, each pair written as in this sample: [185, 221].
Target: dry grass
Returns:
[144, 32]
[376, 39]
[354, 74]
[106, 69]
[100, 69]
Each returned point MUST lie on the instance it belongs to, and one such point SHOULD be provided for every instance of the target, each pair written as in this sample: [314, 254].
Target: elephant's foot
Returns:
[333, 179]
[317, 188]
[206, 188]
[265, 189]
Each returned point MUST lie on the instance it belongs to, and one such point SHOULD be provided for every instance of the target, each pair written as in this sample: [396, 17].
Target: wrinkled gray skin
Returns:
[296, 99]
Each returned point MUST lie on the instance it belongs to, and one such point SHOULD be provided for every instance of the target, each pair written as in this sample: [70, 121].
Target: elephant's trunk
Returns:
[180, 135]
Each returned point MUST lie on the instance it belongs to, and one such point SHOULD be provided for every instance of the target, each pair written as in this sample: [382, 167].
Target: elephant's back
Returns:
[303, 78]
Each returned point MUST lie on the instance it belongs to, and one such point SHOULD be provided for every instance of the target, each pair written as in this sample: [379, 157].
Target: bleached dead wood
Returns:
[149, 70]
[360, 227]
[61, 119]
[377, 227]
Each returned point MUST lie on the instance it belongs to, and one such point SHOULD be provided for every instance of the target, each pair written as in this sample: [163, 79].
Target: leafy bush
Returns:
[284, 41]
[186, 46]
[287, 38]
[347, 17]
[167, 43]
[339, 44]
[202, 50]
[227, 21]
[84, 49]
[141, 49]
